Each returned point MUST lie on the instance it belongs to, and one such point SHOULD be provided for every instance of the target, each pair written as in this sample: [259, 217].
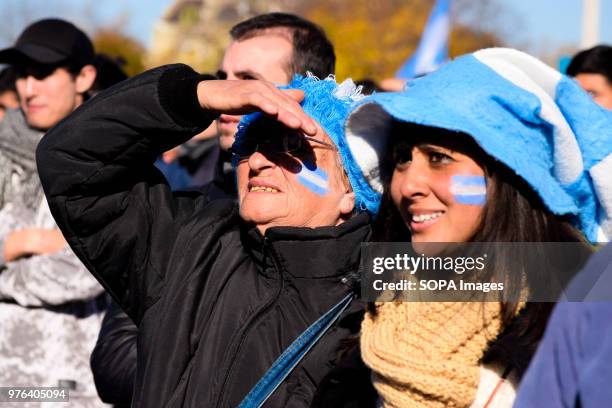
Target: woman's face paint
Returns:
[314, 178]
[469, 189]
[439, 192]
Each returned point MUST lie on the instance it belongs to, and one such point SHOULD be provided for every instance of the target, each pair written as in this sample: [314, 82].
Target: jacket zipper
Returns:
[254, 319]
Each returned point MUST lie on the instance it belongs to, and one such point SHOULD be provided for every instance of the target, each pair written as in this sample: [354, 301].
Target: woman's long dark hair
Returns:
[513, 213]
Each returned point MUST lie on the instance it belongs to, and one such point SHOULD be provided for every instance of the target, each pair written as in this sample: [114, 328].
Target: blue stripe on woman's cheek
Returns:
[469, 189]
[315, 180]
[471, 199]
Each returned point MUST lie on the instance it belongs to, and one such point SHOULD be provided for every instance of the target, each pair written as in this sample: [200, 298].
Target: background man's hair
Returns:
[312, 50]
[109, 71]
[596, 60]
[7, 80]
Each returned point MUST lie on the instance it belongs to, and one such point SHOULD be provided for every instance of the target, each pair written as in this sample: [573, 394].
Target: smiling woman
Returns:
[438, 185]
[490, 148]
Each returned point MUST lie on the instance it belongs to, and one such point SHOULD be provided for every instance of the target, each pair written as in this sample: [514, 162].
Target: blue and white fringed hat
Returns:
[329, 104]
[528, 116]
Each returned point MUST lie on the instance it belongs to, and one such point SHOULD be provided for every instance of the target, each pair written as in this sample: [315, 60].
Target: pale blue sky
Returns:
[554, 23]
[542, 25]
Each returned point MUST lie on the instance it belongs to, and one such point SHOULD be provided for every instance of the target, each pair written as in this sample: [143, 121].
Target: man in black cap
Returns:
[54, 67]
[50, 307]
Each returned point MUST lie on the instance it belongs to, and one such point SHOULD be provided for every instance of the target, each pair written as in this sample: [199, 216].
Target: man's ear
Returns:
[85, 78]
[347, 204]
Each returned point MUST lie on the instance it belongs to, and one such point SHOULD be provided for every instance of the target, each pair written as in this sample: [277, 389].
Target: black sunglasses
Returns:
[36, 70]
[280, 143]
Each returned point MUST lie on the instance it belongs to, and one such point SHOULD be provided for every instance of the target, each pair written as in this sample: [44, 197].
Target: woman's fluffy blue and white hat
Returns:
[530, 117]
[329, 104]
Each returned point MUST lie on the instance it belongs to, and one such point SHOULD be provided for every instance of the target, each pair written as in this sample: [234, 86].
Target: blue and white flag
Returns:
[432, 51]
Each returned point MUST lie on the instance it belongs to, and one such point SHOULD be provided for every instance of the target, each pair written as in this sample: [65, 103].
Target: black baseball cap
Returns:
[50, 41]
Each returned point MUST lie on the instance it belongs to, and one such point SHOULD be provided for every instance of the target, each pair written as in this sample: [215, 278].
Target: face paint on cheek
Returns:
[315, 180]
[469, 189]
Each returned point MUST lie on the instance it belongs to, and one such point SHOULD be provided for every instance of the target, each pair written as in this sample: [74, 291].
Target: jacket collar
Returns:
[225, 175]
[322, 252]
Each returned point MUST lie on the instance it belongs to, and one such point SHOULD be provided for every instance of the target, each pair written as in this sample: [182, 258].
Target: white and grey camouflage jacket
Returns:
[51, 307]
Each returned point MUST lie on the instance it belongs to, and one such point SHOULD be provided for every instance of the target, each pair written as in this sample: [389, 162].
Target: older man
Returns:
[218, 291]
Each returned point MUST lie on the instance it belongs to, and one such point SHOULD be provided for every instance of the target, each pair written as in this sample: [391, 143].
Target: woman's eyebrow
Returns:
[427, 146]
[437, 148]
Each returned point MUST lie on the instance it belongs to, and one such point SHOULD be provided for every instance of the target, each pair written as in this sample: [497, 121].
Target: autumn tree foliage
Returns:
[120, 46]
[373, 38]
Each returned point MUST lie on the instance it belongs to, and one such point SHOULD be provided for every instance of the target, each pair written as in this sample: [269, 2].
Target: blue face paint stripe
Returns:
[471, 199]
[469, 189]
[315, 180]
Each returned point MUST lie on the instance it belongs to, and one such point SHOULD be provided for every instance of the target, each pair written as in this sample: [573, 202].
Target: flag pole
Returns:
[590, 23]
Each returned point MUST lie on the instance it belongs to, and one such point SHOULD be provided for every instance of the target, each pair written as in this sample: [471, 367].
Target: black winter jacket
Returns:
[114, 358]
[216, 303]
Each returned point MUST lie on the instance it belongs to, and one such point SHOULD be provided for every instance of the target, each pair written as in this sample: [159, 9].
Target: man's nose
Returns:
[30, 86]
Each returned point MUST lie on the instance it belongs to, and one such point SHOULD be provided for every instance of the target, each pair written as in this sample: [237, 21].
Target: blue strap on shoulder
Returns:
[291, 357]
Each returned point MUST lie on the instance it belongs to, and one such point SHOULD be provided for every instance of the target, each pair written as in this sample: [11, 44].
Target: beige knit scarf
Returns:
[426, 354]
